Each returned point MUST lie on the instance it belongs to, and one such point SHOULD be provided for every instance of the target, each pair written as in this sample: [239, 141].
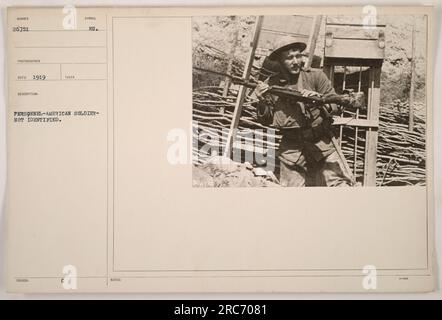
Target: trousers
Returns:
[306, 163]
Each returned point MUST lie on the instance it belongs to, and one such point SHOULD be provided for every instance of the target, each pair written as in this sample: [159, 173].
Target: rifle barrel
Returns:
[279, 91]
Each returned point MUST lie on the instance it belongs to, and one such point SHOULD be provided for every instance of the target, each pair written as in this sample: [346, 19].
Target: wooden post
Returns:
[231, 58]
[313, 39]
[242, 90]
[413, 75]
[344, 80]
[371, 136]
[355, 160]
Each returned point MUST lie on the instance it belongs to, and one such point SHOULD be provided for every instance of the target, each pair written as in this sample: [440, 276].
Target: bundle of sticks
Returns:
[212, 116]
[400, 151]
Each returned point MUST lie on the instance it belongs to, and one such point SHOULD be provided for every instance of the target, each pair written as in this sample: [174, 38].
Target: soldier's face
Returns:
[292, 61]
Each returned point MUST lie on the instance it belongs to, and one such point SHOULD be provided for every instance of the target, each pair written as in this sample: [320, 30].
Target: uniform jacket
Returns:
[288, 114]
[285, 113]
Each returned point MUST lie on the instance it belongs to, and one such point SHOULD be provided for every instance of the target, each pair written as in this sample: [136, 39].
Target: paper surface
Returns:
[95, 205]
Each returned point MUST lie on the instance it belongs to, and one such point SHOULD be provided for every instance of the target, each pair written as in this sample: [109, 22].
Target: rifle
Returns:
[349, 98]
[355, 99]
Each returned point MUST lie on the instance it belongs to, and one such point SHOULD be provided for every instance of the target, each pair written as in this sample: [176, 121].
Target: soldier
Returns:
[306, 153]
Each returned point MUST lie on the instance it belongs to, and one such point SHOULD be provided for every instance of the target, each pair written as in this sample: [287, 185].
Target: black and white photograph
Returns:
[156, 150]
[301, 100]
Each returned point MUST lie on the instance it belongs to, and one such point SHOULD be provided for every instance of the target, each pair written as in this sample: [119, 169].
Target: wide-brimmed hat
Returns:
[284, 45]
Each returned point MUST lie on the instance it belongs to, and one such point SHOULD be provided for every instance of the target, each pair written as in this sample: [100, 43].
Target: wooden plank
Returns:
[228, 80]
[352, 62]
[357, 25]
[371, 138]
[354, 48]
[353, 122]
[242, 91]
[376, 97]
[354, 20]
[343, 32]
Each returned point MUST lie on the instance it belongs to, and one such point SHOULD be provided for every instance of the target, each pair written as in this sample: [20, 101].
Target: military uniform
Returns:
[306, 153]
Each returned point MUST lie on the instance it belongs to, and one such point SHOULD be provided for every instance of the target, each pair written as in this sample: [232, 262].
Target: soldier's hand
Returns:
[309, 93]
[355, 99]
[261, 89]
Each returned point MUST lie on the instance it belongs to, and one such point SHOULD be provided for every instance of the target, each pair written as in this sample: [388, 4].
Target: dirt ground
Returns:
[231, 174]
